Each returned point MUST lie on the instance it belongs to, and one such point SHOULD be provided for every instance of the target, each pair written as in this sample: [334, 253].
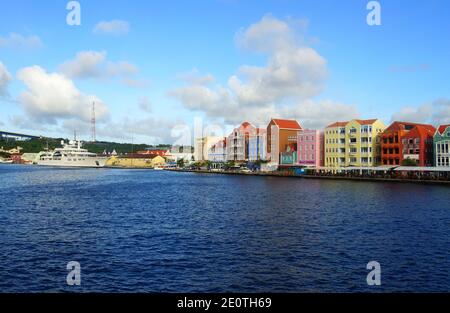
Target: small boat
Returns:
[6, 161]
[158, 168]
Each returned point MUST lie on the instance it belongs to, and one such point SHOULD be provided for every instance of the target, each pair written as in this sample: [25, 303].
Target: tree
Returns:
[180, 163]
[409, 162]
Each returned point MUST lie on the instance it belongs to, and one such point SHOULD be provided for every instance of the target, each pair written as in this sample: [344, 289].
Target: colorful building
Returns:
[289, 157]
[418, 146]
[218, 152]
[155, 152]
[355, 143]
[310, 148]
[238, 142]
[441, 144]
[282, 138]
[335, 141]
[392, 149]
[257, 145]
[136, 161]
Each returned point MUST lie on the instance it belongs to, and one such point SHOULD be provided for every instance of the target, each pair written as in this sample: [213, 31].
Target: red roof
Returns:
[287, 124]
[422, 131]
[138, 156]
[367, 122]
[395, 126]
[337, 124]
[442, 128]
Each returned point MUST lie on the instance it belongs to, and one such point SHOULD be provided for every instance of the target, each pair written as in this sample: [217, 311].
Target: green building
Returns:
[441, 146]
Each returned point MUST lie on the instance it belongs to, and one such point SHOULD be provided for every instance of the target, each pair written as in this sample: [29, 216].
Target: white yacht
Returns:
[71, 155]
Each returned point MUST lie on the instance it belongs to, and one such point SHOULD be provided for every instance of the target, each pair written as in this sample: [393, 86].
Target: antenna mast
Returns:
[93, 122]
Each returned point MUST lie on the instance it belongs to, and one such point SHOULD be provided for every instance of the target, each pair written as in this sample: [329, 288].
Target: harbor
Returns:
[165, 231]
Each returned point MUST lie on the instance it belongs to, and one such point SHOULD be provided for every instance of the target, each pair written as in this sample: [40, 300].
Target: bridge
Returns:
[17, 136]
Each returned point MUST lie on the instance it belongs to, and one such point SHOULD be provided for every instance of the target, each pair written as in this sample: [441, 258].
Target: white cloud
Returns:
[52, 96]
[5, 79]
[135, 83]
[145, 104]
[271, 34]
[19, 41]
[318, 114]
[194, 77]
[285, 87]
[114, 27]
[94, 64]
[149, 129]
[436, 112]
[420, 114]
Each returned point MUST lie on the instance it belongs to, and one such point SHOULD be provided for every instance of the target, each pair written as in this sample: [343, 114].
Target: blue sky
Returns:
[159, 64]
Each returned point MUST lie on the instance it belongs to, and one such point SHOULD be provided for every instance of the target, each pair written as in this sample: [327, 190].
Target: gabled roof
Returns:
[442, 128]
[287, 124]
[367, 122]
[397, 125]
[421, 130]
[337, 124]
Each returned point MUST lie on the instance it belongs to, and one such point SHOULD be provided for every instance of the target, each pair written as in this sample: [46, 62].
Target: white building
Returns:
[202, 146]
[218, 152]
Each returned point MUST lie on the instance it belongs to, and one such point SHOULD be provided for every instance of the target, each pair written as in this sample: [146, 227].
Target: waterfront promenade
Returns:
[417, 180]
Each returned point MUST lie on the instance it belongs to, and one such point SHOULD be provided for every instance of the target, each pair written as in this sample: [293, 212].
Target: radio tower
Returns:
[93, 123]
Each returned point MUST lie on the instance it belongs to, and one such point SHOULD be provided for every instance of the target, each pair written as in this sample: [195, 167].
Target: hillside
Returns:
[37, 145]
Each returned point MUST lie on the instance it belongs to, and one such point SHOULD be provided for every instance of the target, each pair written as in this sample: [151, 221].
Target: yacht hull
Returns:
[91, 162]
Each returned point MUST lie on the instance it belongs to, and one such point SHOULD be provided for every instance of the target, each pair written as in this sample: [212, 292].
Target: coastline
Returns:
[273, 174]
[281, 174]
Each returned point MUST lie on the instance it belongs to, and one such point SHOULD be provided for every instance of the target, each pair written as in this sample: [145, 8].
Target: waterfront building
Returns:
[418, 146]
[30, 157]
[392, 149]
[282, 139]
[289, 157]
[257, 145]
[178, 153]
[155, 152]
[202, 146]
[441, 144]
[217, 153]
[310, 146]
[356, 143]
[238, 142]
[335, 140]
[136, 161]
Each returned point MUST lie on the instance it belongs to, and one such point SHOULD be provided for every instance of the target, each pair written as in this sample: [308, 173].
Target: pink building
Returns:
[310, 148]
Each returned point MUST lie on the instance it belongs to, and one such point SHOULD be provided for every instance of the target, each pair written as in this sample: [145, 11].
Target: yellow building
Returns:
[140, 161]
[354, 143]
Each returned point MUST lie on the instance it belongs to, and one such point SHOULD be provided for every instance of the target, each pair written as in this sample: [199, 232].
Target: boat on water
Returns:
[71, 155]
[6, 161]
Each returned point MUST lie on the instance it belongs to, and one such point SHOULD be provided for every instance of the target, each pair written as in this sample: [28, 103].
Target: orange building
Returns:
[281, 137]
[404, 140]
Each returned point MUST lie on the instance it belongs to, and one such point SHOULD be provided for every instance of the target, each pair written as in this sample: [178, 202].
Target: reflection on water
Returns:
[180, 232]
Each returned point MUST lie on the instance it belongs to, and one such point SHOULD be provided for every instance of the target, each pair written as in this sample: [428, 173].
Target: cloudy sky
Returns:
[153, 67]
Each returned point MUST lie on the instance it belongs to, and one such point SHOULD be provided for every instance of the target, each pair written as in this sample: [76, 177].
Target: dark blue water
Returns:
[155, 231]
